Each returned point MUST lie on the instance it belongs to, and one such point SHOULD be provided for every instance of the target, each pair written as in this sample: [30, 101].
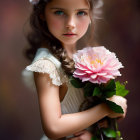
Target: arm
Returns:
[82, 135]
[55, 124]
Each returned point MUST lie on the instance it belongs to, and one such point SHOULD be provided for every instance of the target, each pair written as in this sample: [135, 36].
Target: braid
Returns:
[66, 62]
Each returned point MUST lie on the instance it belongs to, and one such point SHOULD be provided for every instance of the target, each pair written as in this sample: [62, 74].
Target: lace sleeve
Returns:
[46, 66]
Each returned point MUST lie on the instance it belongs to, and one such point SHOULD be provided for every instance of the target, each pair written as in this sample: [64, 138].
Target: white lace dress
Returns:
[45, 62]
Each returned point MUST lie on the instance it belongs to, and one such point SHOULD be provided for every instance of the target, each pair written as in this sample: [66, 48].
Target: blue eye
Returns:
[82, 13]
[59, 13]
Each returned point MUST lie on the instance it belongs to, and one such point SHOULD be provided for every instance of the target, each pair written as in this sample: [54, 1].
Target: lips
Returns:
[69, 34]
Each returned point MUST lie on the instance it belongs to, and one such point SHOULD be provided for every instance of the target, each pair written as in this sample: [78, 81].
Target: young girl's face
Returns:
[67, 20]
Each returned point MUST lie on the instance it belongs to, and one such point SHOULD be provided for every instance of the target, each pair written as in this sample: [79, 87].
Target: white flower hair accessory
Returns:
[34, 2]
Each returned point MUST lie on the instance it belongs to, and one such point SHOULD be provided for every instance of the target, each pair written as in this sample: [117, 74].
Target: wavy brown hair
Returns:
[40, 36]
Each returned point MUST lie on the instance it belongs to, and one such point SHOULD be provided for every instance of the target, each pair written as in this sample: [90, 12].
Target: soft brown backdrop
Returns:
[19, 113]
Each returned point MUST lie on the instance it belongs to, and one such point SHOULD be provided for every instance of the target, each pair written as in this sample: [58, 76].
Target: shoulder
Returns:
[44, 62]
[44, 54]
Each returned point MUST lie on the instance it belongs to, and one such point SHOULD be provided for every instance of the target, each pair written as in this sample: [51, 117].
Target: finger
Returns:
[79, 133]
[74, 138]
[103, 124]
[121, 118]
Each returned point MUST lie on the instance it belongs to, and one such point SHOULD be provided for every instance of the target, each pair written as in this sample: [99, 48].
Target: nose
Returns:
[71, 22]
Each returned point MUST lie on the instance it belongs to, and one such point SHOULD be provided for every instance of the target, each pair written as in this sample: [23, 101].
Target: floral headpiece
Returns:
[34, 2]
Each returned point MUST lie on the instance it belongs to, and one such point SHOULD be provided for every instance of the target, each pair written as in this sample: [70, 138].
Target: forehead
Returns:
[69, 4]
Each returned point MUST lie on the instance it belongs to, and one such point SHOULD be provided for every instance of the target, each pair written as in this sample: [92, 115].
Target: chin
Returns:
[69, 42]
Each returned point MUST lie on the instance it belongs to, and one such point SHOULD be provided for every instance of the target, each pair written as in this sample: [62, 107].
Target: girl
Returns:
[57, 25]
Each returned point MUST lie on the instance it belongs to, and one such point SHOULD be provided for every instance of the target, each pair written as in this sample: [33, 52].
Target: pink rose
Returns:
[96, 64]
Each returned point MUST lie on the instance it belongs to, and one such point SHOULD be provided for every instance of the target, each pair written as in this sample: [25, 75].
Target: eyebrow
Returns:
[56, 8]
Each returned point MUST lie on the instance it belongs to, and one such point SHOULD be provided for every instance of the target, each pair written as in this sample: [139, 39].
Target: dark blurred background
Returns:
[119, 31]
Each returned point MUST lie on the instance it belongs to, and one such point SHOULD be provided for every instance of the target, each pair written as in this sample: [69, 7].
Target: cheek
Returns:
[54, 24]
[83, 26]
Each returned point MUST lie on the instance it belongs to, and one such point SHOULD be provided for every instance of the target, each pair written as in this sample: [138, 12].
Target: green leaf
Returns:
[94, 138]
[110, 133]
[116, 108]
[110, 86]
[97, 91]
[88, 89]
[109, 89]
[109, 94]
[118, 133]
[120, 89]
[76, 82]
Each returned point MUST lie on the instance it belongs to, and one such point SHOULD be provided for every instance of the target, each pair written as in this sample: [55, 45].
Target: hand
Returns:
[82, 135]
[119, 101]
[103, 123]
